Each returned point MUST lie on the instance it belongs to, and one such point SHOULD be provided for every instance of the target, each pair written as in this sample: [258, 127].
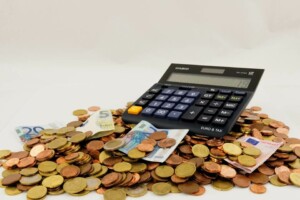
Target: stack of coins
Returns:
[68, 161]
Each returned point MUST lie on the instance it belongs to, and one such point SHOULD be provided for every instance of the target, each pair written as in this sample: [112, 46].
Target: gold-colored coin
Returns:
[161, 188]
[31, 180]
[75, 185]
[93, 183]
[275, 181]
[114, 144]
[53, 181]
[29, 171]
[104, 155]
[119, 129]
[232, 149]
[97, 168]
[136, 154]
[164, 171]
[136, 191]
[1, 186]
[47, 166]
[37, 192]
[57, 143]
[252, 151]
[80, 112]
[78, 138]
[103, 171]
[295, 179]
[4, 153]
[185, 170]
[79, 194]
[200, 150]
[62, 131]
[295, 164]
[247, 161]
[222, 185]
[138, 167]
[11, 191]
[122, 167]
[114, 194]
[8, 172]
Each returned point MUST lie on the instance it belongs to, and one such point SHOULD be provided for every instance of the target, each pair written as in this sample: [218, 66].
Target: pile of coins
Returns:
[68, 161]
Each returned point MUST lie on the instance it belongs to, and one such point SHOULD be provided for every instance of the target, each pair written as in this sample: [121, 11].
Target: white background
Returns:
[60, 55]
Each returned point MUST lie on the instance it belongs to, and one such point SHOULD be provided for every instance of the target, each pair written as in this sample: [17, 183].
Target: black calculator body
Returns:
[207, 100]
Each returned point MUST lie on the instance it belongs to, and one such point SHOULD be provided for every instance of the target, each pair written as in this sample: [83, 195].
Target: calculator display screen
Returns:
[205, 79]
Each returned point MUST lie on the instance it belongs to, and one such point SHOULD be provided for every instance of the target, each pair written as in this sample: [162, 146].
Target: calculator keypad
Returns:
[209, 107]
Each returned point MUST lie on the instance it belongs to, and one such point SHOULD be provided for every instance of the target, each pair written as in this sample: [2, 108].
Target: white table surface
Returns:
[57, 56]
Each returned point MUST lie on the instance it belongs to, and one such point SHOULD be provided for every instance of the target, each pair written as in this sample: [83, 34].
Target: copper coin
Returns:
[176, 179]
[241, 181]
[152, 165]
[136, 178]
[11, 179]
[45, 155]
[212, 167]
[110, 178]
[258, 178]
[94, 108]
[283, 174]
[95, 145]
[166, 143]
[187, 149]
[264, 169]
[189, 187]
[23, 188]
[12, 162]
[282, 130]
[149, 141]
[214, 142]
[70, 171]
[145, 147]
[32, 142]
[201, 179]
[227, 171]
[258, 188]
[217, 152]
[200, 192]
[71, 156]
[145, 177]
[297, 151]
[158, 135]
[86, 168]
[197, 161]
[112, 161]
[174, 160]
[19, 154]
[26, 162]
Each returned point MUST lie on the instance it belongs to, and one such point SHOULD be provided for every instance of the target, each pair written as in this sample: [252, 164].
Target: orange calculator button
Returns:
[135, 110]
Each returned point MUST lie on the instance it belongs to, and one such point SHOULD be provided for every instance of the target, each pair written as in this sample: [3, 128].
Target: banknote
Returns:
[26, 133]
[266, 147]
[98, 122]
[142, 130]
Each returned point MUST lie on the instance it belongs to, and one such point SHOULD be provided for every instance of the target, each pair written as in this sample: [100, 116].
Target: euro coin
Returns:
[136, 191]
[222, 185]
[161, 188]
[200, 150]
[252, 151]
[80, 112]
[75, 185]
[164, 171]
[247, 161]
[122, 167]
[232, 149]
[4, 153]
[114, 144]
[136, 154]
[258, 188]
[185, 170]
[93, 183]
[114, 194]
[11, 191]
[37, 192]
[53, 181]
[295, 179]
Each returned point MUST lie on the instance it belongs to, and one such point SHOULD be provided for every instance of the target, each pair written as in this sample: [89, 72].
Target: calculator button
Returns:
[225, 91]
[161, 113]
[208, 96]
[162, 97]
[174, 99]
[155, 90]
[174, 115]
[180, 92]
[181, 107]
[187, 100]
[135, 110]
[240, 93]
[204, 118]
[168, 105]
[230, 105]
[221, 97]
[216, 104]
[212, 90]
[148, 111]
[219, 121]
[155, 104]
[141, 102]
[202, 102]
[210, 111]
[168, 91]
[148, 96]
[193, 94]
[235, 98]
[225, 113]
[192, 113]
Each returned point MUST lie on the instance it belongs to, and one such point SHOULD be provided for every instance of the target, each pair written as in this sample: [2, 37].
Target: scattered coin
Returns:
[114, 144]
[247, 161]
[232, 149]
[158, 135]
[258, 188]
[166, 143]
[80, 112]
[222, 185]
[37, 192]
[94, 108]
[161, 188]
[200, 150]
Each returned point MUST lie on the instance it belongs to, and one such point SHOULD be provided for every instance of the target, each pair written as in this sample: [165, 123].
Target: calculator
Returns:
[207, 100]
